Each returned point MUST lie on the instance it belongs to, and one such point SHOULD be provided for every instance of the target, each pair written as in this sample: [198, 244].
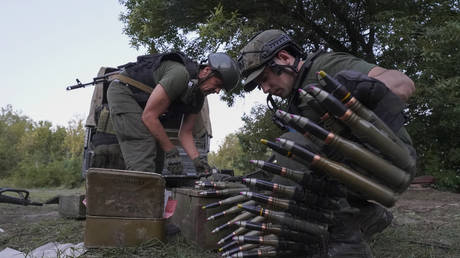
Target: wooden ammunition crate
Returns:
[72, 207]
[122, 232]
[191, 218]
[122, 193]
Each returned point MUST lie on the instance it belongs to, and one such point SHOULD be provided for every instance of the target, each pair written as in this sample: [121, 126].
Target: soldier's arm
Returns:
[157, 104]
[396, 81]
[186, 136]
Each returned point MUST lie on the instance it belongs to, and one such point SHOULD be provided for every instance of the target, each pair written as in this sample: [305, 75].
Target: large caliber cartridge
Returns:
[229, 211]
[386, 172]
[240, 230]
[272, 240]
[364, 130]
[242, 216]
[279, 230]
[349, 177]
[291, 207]
[339, 91]
[277, 148]
[285, 219]
[303, 178]
[227, 201]
[224, 192]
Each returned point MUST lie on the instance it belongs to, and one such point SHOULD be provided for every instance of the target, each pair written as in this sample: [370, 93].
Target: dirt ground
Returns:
[426, 224]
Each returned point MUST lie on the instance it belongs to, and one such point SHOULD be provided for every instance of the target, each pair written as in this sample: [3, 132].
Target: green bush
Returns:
[57, 173]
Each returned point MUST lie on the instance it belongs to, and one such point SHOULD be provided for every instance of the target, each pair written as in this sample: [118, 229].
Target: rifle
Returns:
[22, 199]
[96, 80]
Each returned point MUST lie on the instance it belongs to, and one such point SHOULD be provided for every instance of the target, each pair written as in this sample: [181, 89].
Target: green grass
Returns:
[415, 233]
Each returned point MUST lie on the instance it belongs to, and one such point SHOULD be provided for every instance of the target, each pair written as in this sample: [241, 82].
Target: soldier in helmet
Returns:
[274, 63]
[179, 87]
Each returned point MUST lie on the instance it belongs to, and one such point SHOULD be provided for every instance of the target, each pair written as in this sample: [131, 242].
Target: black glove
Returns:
[201, 165]
[174, 162]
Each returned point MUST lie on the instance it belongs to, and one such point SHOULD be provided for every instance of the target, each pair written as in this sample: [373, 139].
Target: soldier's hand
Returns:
[201, 165]
[174, 162]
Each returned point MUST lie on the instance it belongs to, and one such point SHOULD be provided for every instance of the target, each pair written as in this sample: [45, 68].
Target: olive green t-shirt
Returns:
[334, 62]
[331, 63]
[173, 77]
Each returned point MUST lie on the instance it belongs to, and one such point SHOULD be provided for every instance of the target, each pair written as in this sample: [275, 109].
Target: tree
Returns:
[229, 156]
[37, 154]
[257, 125]
[13, 126]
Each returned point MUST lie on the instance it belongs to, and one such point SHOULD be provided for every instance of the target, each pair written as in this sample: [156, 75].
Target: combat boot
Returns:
[373, 218]
[347, 241]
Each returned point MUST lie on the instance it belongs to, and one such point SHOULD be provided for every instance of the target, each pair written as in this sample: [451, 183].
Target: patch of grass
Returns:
[416, 241]
[42, 195]
[176, 247]
[26, 237]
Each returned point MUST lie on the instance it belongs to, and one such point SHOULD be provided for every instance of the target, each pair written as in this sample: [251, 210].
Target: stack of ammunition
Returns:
[273, 220]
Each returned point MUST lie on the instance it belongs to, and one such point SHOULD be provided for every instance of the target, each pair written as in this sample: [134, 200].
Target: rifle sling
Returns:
[125, 79]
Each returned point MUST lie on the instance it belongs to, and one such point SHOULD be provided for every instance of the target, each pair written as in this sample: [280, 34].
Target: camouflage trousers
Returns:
[138, 146]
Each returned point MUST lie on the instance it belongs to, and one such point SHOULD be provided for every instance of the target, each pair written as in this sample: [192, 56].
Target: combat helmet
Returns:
[226, 68]
[260, 51]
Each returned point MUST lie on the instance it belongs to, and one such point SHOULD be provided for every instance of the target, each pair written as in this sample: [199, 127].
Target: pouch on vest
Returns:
[104, 122]
[376, 96]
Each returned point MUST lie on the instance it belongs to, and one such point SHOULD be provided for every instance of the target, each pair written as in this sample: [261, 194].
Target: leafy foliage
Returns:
[237, 149]
[229, 156]
[36, 154]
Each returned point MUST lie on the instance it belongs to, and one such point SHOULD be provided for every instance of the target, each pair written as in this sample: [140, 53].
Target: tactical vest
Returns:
[142, 71]
[369, 91]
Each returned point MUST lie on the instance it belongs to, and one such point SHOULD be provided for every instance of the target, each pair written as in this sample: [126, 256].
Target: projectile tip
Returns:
[264, 141]
[322, 73]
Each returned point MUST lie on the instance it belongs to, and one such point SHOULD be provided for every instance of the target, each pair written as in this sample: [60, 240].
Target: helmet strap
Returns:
[278, 69]
[201, 81]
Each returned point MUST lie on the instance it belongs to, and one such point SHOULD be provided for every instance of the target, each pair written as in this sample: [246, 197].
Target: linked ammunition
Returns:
[303, 178]
[272, 240]
[291, 207]
[328, 121]
[391, 175]
[298, 176]
[279, 230]
[240, 230]
[288, 191]
[239, 249]
[232, 210]
[229, 200]
[232, 244]
[282, 151]
[242, 216]
[334, 87]
[364, 130]
[354, 180]
[218, 184]
[216, 193]
[284, 219]
[261, 252]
